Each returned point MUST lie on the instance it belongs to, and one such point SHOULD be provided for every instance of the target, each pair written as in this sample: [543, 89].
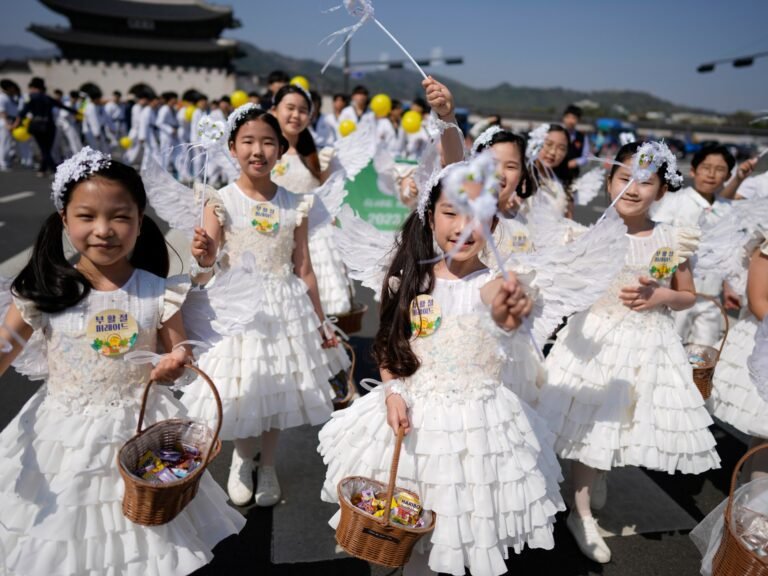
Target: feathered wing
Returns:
[170, 199]
[758, 360]
[547, 225]
[366, 251]
[727, 245]
[355, 151]
[32, 362]
[587, 186]
[569, 278]
[386, 171]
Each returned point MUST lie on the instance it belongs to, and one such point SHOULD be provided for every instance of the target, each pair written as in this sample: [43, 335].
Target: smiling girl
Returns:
[620, 389]
[547, 150]
[60, 488]
[478, 456]
[273, 375]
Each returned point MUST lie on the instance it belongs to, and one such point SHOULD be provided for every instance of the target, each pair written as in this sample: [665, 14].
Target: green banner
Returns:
[384, 212]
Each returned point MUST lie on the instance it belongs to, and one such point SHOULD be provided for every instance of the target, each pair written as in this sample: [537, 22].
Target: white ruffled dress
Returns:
[619, 388]
[60, 487]
[476, 455]
[334, 285]
[734, 397]
[274, 373]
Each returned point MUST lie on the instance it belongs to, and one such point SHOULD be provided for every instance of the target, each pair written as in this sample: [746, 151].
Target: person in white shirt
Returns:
[98, 129]
[133, 154]
[116, 112]
[389, 132]
[68, 141]
[201, 109]
[702, 205]
[8, 112]
[148, 128]
[753, 187]
[327, 127]
[416, 143]
[168, 128]
[357, 111]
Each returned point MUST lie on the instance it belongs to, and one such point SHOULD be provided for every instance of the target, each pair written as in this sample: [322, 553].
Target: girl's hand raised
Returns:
[510, 305]
[439, 97]
[203, 248]
[648, 295]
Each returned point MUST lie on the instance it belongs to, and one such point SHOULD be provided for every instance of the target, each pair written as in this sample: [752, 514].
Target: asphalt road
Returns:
[25, 203]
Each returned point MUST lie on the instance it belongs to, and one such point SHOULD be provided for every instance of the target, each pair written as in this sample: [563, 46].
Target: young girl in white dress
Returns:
[547, 149]
[60, 488]
[620, 389]
[298, 171]
[735, 399]
[274, 374]
[477, 455]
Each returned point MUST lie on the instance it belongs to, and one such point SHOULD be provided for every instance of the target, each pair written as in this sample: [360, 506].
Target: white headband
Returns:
[485, 138]
[650, 157]
[536, 141]
[237, 115]
[76, 168]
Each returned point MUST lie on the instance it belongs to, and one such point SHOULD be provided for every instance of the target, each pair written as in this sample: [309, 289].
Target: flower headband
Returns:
[485, 138]
[77, 168]
[650, 157]
[236, 116]
[536, 141]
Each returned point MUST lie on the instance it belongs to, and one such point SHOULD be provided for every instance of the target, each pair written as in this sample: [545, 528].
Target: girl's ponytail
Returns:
[150, 252]
[48, 279]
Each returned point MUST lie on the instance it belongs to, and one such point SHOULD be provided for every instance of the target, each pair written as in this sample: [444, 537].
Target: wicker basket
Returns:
[702, 376]
[377, 540]
[152, 504]
[352, 321]
[732, 557]
[342, 403]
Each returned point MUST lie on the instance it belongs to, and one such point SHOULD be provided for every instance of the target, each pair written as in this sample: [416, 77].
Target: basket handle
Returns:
[351, 375]
[735, 476]
[216, 397]
[393, 474]
[717, 303]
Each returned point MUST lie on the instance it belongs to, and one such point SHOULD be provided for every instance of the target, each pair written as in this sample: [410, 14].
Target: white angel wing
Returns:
[366, 251]
[332, 193]
[569, 278]
[355, 152]
[547, 225]
[386, 171]
[170, 199]
[758, 360]
[587, 186]
[32, 362]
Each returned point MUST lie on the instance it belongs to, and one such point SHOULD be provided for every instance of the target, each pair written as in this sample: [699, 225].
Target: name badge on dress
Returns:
[265, 218]
[280, 169]
[663, 264]
[425, 315]
[519, 242]
[112, 332]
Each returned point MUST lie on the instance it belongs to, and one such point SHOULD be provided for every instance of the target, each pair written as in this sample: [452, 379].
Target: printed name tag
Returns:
[112, 332]
[265, 218]
[425, 316]
[663, 264]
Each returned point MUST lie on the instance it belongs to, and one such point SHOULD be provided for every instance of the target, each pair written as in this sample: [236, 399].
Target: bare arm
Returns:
[757, 285]
[171, 366]
[205, 244]
[441, 101]
[742, 172]
[681, 295]
[13, 323]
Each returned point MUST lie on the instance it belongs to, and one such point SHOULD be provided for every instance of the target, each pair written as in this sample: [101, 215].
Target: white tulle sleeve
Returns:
[366, 251]
[758, 360]
[304, 208]
[176, 290]
[566, 279]
[32, 362]
[687, 240]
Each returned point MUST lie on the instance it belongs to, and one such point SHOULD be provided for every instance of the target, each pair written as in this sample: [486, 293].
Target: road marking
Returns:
[17, 196]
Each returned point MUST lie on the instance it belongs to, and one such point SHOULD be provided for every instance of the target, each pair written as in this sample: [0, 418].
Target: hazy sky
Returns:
[650, 45]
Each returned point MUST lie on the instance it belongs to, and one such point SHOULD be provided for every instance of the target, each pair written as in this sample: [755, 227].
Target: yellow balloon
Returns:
[189, 111]
[381, 104]
[238, 98]
[21, 134]
[126, 142]
[26, 122]
[411, 122]
[301, 81]
[347, 127]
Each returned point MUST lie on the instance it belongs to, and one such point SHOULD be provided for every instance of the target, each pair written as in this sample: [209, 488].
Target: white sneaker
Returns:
[599, 491]
[268, 488]
[588, 538]
[240, 483]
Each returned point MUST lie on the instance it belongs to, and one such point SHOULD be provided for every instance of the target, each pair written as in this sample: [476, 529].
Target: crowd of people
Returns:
[512, 341]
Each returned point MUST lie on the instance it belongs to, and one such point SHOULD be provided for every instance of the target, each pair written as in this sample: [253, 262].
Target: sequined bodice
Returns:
[273, 251]
[82, 379]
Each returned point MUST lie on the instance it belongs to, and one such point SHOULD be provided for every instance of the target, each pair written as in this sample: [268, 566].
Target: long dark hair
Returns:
[624, 155]
[305, 145]
[413, 266]
[527, 185]
[561, 170]
[52, 282]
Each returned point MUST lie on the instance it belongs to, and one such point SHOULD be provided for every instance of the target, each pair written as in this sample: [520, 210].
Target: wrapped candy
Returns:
[404, 508]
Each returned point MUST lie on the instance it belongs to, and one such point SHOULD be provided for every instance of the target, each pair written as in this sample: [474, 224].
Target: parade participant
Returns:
[475, 454]
[619, 389]
[168, 129]
[357, 111]
[547, 151]
[273, 374]
[61, 507]
[328, 124]
[8, 113]
[578, 145]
